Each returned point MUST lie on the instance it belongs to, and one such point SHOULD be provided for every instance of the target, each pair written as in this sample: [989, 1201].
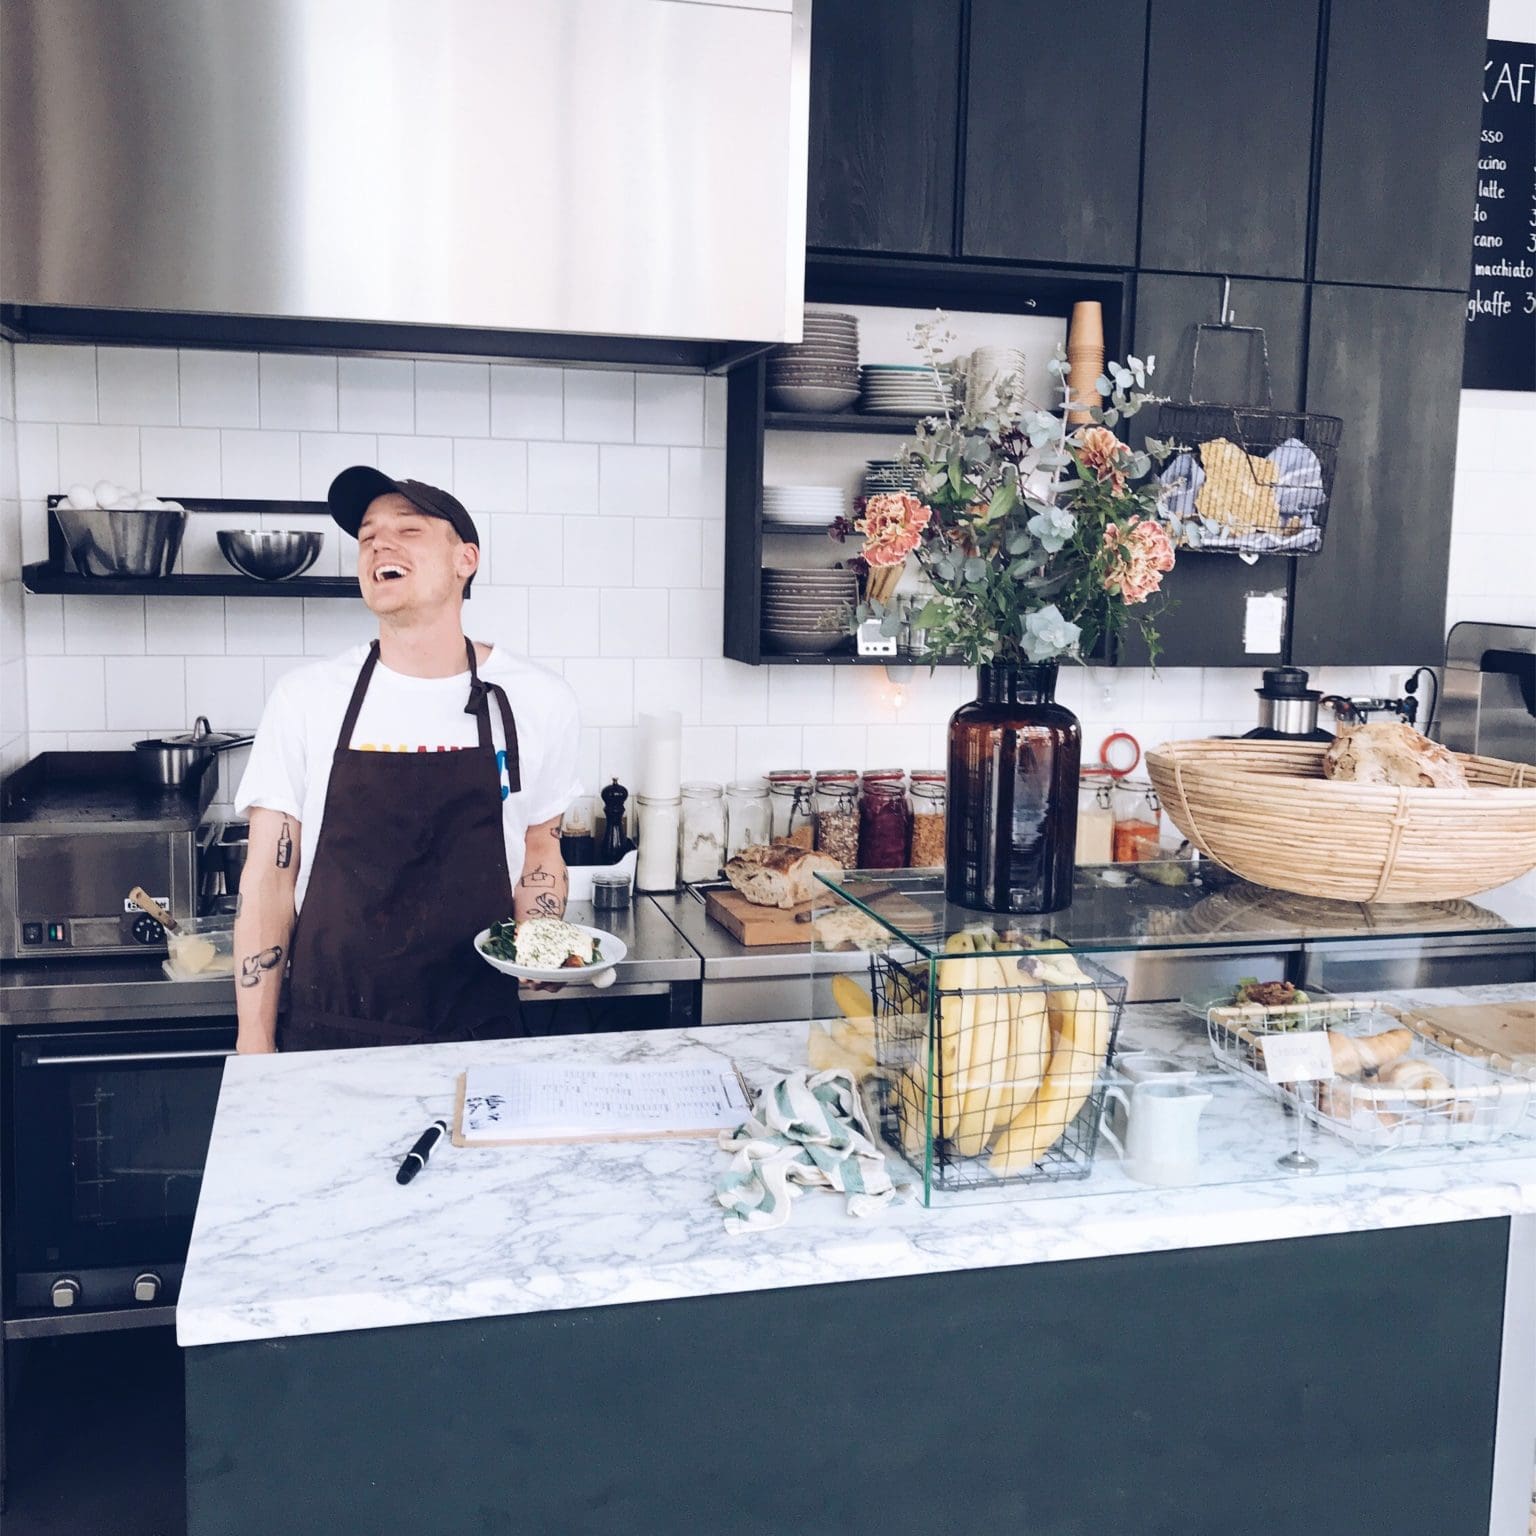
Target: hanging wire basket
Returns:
[1259, 481]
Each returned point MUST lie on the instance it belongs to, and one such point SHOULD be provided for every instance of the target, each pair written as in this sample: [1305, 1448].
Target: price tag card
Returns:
[1302, 1057]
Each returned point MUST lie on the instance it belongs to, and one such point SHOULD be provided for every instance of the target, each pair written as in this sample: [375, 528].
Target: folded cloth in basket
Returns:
[808, 1130]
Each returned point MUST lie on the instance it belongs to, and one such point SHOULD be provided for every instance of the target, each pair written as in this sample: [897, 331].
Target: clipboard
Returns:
[542, 1137]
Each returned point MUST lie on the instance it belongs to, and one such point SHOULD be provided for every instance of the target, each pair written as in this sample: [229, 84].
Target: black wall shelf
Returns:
[838, 421]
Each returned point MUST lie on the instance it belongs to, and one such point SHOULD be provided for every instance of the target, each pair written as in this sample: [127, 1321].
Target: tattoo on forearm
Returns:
[253, 967]
[537, 877]
[548, 905]
[284, 846]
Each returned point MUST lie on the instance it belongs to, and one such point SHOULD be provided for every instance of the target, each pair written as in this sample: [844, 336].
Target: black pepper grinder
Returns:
[615, 844]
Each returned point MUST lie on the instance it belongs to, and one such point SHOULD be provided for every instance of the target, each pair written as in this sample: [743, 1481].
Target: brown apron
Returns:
[411, 865]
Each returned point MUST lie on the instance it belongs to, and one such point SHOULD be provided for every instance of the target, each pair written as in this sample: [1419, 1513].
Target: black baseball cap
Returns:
[354, 489]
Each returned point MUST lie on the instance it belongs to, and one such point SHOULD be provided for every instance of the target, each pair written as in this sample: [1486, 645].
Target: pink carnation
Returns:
[892, 526]
[1138, 559]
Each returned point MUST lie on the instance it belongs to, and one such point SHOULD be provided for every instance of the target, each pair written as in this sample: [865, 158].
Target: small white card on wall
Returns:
[1264, 623]
[1302, 1057]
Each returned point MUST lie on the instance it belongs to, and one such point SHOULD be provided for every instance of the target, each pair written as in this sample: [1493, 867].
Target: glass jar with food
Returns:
[658, 824]
[790, 807]
[701, 832]
[577, 844]
[1095, 817]
[837, 815]
[746, 815]
[1138, 822]
[885, 820]
[928, 811]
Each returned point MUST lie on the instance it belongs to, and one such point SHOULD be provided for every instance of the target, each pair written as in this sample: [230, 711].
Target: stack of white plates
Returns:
[901, 389]
[888, 475]
[820, 373]
[803, 610]
[802, 506]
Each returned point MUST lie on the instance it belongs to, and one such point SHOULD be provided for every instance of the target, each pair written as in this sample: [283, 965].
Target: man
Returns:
[401, 797]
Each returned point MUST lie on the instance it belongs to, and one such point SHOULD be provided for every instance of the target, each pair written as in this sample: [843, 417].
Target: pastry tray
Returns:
[1477, 1103]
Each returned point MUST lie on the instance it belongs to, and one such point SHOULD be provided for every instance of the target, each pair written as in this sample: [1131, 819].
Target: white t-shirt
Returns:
[290, 763]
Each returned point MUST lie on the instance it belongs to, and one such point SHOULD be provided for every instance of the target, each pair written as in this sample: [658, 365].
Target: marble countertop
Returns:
[301, 1227]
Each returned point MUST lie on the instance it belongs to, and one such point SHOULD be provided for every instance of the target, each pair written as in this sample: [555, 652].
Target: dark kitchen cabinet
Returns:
[1053, 131]
[1389, 363]
[1402, 107]
[1207, 594]
[1228, 143]
[885, 115]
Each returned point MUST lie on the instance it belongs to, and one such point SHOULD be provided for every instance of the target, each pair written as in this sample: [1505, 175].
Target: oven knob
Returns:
[147, 931]
[66, 1292]
[146, 1287]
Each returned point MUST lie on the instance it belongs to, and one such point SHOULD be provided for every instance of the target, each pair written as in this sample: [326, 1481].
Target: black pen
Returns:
[416, 1158]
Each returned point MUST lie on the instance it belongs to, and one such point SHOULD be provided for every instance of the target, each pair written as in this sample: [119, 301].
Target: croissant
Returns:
[1354, 1054]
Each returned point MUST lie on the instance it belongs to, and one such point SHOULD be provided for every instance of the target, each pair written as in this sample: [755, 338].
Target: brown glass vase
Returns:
[1013, 761]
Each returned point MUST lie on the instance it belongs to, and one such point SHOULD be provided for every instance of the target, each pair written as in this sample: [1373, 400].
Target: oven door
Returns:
[108, 1135]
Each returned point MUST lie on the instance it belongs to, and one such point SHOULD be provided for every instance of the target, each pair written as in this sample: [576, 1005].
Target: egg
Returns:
[107, 493]
[80, 496]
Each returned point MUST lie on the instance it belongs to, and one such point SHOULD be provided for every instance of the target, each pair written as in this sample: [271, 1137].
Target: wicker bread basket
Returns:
[1264, 810]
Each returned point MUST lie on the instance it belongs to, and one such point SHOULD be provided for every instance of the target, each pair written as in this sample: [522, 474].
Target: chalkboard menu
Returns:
[1501, 299]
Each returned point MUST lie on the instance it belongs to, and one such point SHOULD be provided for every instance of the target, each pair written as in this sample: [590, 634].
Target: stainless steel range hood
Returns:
[614, 179]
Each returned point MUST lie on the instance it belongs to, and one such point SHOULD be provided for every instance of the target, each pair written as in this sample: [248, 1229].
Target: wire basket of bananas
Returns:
[992, 1060]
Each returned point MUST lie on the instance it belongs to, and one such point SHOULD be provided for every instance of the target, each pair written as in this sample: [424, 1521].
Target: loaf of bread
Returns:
[1389, 752]
[779, 874]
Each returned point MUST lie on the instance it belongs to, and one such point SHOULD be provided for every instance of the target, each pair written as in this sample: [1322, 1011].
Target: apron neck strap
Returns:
[478, 706]
[355, 704]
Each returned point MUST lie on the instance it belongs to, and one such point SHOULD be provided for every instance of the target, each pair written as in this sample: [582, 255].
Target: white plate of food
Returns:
[551, 949]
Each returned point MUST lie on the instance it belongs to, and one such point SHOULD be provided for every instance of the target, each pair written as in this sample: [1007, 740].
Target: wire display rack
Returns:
[988, 1075]
[1422, 1094]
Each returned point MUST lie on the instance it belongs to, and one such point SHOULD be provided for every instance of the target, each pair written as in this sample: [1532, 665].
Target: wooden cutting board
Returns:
[1506, 1030]
[752, 925]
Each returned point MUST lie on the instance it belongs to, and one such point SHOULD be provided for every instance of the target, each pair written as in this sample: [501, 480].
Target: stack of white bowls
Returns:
[820, 373]
[803, 610]
[903, 389]
[794, 507]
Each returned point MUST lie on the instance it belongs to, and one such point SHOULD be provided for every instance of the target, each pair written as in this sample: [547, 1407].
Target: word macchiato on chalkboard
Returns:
[1501, 298]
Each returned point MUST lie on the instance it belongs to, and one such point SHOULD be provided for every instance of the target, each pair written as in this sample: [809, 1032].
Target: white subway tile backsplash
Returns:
[323, 456]
[490, 475]
[35, 522]
[263, 626]
[138, 386]
[668, 551]
[600, 551]
[762, 748]
[428, 459]
[200, 552]
[55, 383]
[335, 624]
[563, 621]
[714, 412]
[91, 454]
[13, 639]
[862, 693]
[831, 746]
[499, 616]
[801, 696]
[562, 478]
[10, 540]
[633, 480]
[696, 622]
[709, 753]
[260, 465]
[712, 566]
[670, 684]
[146, 693]
[599, 406]
[219, 389]
[37, 460]
[184, 626]
[696, 482]
[230, 690]
[527, 402]
[104, 626]
[633, 622]
[376, 394]
[66, 693]
[669, 408]
[616, 747]
[13, 703]
[43, 621]
[605, 690]
[276, 668]
[453, 399]
[898, 746]
[527, 550]
[175, 462]
[734, 693]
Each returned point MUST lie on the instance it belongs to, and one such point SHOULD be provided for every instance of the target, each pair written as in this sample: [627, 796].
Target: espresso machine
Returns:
[1488, 698]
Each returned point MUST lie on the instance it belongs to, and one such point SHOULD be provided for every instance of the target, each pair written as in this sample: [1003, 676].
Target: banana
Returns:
[1030, 1055]
[990, 1043]
[853, 1001]
[1081, 1017]
[953, 1024]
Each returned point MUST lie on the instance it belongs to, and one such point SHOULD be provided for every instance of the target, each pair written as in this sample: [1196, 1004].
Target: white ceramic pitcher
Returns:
[1162, 1138]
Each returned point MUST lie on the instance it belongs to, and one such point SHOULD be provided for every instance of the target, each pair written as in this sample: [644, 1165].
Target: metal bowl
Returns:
[122, 543]
[270, 556]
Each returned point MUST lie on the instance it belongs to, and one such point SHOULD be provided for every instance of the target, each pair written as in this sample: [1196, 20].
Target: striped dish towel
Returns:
[807, 1131]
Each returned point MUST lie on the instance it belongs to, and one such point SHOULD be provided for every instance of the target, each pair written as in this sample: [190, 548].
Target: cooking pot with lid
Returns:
[169, 762]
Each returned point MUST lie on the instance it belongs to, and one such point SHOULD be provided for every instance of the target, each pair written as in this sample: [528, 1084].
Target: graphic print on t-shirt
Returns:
[501, 756]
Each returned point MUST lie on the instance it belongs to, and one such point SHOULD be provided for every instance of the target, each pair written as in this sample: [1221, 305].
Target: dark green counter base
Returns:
[1337, 1386]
